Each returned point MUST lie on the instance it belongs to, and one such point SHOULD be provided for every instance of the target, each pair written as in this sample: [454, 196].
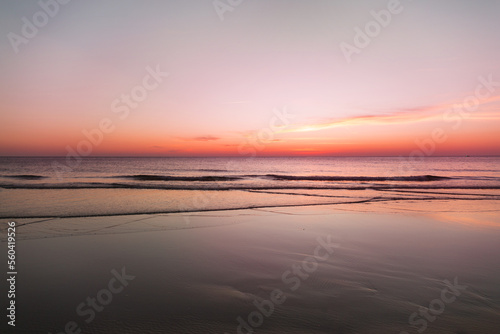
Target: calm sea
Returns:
[56, 187]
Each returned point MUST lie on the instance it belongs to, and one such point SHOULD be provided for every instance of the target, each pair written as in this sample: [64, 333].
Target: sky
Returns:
[249, 77]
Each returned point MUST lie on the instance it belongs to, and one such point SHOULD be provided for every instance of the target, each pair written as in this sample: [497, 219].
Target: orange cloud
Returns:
[408, 115]
[201, 138]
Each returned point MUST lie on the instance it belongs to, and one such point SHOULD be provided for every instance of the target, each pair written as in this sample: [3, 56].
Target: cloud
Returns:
[201, 138]
[388, 118]
[403, 115]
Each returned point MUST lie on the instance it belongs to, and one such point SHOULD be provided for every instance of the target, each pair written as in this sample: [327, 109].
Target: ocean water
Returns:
[429, 222]
[57, 187]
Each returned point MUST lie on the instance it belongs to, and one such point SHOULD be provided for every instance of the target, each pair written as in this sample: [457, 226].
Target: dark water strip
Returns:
[217, 187]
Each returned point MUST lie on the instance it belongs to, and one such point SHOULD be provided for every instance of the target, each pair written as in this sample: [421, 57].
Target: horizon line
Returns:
[241, 156]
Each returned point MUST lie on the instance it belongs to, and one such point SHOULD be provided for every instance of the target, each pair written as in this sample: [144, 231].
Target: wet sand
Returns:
[318, 269]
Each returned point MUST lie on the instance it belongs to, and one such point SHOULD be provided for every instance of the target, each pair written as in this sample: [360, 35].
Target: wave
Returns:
[281, 177]
[208, 178]
[25, 177]
[217, 187]
[276, 177]
[417, 178]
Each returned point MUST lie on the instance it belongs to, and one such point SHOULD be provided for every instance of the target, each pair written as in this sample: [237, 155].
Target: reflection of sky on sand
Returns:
[207, 271]
[473, 219]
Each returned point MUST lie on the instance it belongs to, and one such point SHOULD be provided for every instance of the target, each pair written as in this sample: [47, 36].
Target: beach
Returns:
[250, 167]
[353, 268]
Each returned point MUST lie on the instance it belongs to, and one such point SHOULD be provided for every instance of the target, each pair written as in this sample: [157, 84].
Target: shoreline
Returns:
[479, 217]
[119, 202]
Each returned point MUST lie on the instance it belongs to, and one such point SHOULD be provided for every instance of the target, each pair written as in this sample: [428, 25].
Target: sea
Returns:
[101, 186]
[205, 243]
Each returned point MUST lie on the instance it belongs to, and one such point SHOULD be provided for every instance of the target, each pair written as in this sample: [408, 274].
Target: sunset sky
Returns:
[231, 80]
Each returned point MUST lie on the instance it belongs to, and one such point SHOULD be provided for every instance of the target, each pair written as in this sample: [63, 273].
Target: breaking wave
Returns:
[418, 178]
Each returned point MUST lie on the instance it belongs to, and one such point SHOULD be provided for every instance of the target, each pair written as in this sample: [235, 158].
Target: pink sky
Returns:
[225, 78]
